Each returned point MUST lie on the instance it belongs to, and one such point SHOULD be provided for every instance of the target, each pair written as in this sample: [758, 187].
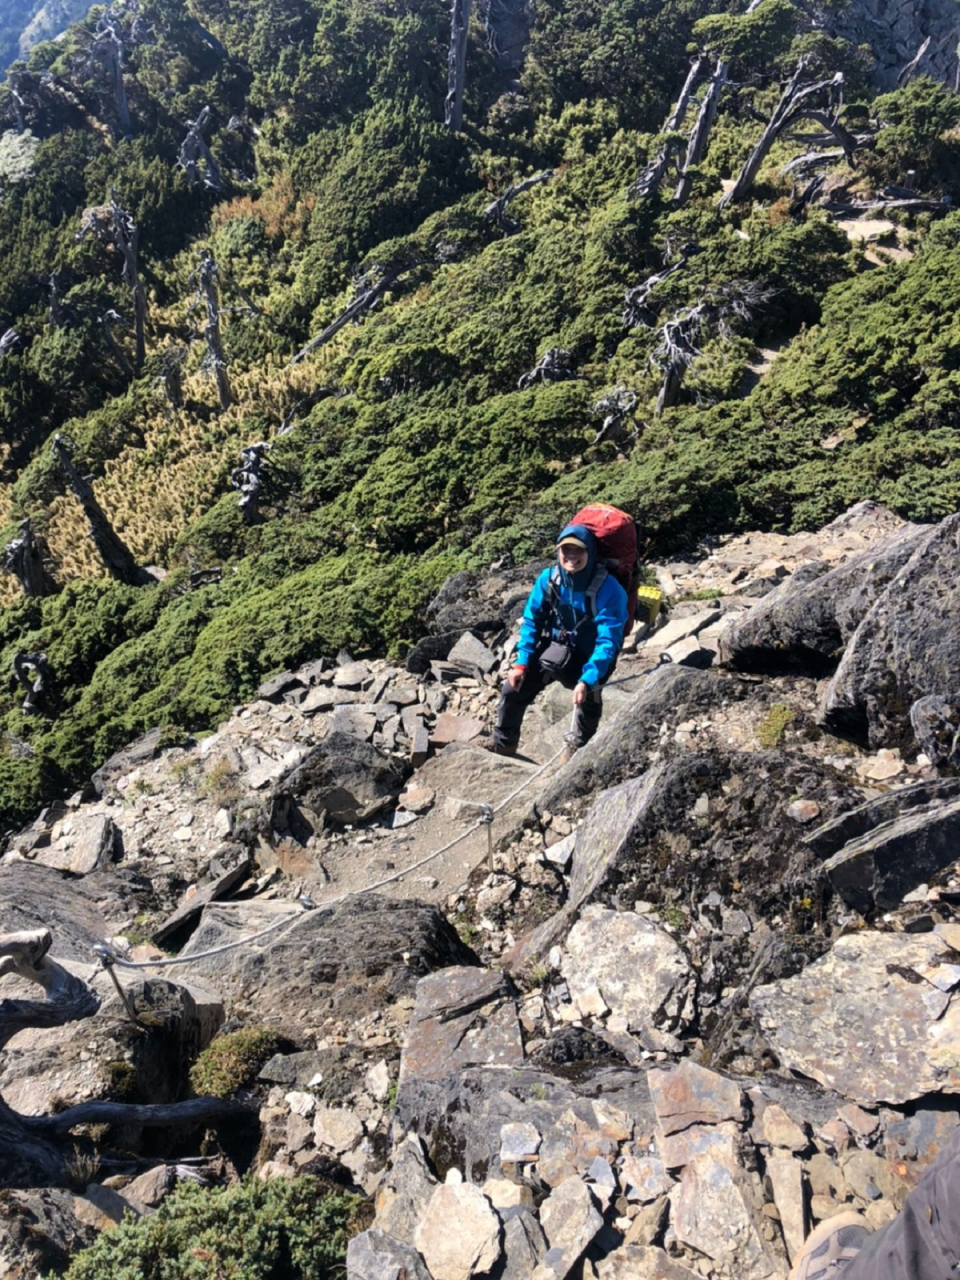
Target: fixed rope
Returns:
[109, 958]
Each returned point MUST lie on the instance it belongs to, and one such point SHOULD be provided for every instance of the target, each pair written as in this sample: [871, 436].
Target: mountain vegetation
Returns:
[225, 225]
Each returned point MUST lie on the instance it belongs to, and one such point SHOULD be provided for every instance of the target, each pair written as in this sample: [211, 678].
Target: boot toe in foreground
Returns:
[829, 1247]
[496, 748]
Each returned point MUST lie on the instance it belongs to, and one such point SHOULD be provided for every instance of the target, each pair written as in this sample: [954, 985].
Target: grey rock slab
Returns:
[876, 871]
[786, 1180]
[639, 970]
[272, 690]
[351, 780]
[519, 1143]
[690, 1094]
[374, 1255]
[295, 1070]
[935, 721]
[193, 905]
[336, 1128]
[570, 1219]
[324, 698]
[678, 1149]
[352, 675]
[644, 1178]
[690, 653]
[642, 1262]
[858, 821]
[469, 652]
[681, 628]
[463, 1017]
[524, 1244]
[712, 1214]
[473, 1247]
[450, 727]
[89, 845]
[141, 750]
[405, 1190]
[355, 722]
[883, 1033]
[804, 623]
[906, 647]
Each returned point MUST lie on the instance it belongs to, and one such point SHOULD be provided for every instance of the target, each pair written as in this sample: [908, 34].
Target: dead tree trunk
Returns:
[127, 239]
[246, 478]
[195, 158]
[649, 181]
[115, 553]
[367, 296]
[497, 209]
[33, 1157]
[456, 65]
[208, 284]
[792, 105]
[23, 555]
[108, 51]
[697, 145]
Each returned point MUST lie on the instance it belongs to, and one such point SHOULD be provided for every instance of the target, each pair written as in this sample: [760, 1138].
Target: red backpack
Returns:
[616, 535]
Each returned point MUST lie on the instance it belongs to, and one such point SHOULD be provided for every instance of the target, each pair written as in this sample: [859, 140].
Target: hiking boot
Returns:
[829, 1247]
[489, 743]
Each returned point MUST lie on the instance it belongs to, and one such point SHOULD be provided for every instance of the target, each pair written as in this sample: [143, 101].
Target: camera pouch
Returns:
[556, 658]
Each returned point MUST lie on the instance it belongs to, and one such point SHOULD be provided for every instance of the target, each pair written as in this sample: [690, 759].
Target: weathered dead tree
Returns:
[456, 65]
[553, 366]
[115, 554]
[110, 224]
[794, 103]
[24, 556]
[803, 199]
[108, 321]
[639, 306]
[33, 673]
[247, 479]
[678, 346]
[8, 340]
[497, 209]
[368, 290]
[700, 133]
[107, 50]
[33, 1154]
[649, 181]
[208, 289]
[55, 310]
[195, 158]
[615, 408]
[507, 25]
[904, 76]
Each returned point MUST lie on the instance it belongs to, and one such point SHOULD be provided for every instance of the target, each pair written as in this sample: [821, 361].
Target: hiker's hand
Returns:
[515, 677]
[580, 694]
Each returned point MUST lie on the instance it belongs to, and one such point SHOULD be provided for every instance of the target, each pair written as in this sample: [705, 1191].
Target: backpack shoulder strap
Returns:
[599, 578]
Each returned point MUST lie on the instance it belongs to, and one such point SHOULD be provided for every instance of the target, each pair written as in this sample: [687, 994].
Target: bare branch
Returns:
[649, 181]
[456, 64]
[497, 209]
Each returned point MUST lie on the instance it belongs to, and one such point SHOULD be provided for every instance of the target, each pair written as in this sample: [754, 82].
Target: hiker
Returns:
[572, 631]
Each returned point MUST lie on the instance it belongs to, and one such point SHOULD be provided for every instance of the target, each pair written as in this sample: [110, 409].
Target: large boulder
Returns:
[906, 647]
[805, 623]
[342, 777]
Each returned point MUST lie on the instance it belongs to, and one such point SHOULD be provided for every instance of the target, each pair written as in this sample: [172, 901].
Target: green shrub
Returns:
[233, 1060]
[279, 1230]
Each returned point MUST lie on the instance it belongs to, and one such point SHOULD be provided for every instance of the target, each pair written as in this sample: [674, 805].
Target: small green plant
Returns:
[467, 932]
[180, 770]
[774, 724]
[392, 1090]
[220, 784]
[539, 1091]
[297, 1229]
[706, 593]
[120, 1078]
[674, 916]
[233, 1061]
[537, 974]
[82, 1167]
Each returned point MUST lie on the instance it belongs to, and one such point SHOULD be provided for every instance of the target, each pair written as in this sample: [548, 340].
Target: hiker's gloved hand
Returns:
[515, 677]
[580, 694]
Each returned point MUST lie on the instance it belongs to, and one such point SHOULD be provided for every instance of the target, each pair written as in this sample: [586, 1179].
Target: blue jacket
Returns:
[598, 640]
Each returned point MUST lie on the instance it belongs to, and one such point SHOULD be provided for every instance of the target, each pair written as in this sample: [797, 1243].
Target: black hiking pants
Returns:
[922, 1242]
[513, 703]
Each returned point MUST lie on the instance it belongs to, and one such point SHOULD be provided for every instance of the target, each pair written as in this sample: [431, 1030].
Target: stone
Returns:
[780, 1130]
[519, 1142]
[375, 1255]
[138, 752]
[570, 1219]
[377, 1080]
[90, 845]
[679, 629]
[524, 1244]
[504, 1194]
[857, 1120]
[632, 1261]
[644, 1178]
[144, 1193]
[324, 698]
[473, 1248]
[462, 1017]
[349, 779]
[711, 1212]
[354, 722]
[690, 1094]
[906, 646]
[100, 1206]
[336, 1128]
[450, 727]
[405, 1190]
[559, 855]
[935, 720]
[469, 653]
[690, 653]
[352, 675]
[192, 906]
[868, 993]
[417, 799]
[272, 690]
[786, 1180]
[635, 966]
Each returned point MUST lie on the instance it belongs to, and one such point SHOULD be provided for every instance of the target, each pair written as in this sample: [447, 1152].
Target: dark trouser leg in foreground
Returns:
[923, 1242]
[513, 705]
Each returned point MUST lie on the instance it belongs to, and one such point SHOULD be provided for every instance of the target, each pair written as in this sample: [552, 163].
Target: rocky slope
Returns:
[682, 997]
